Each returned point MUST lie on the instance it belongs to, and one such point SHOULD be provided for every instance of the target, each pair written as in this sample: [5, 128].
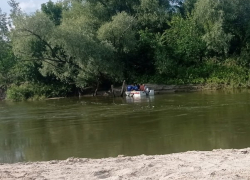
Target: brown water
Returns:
[104, 127]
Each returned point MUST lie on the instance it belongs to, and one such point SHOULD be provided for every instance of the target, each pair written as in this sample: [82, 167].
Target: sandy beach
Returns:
[216, 164]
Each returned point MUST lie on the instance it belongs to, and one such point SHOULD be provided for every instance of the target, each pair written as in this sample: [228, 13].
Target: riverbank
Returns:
[164, 89]
[158, 89]
[216, 164]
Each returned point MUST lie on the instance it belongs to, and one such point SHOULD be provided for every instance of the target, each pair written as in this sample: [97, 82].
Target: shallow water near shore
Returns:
[98, 127]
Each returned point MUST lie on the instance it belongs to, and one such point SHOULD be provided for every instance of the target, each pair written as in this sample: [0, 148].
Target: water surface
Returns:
[97, 127]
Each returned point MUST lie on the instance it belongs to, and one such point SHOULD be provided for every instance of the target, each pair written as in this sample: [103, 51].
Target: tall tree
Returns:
[153, 15]
[53, 11]
[15, 9]
[7, 59]
[210, 17]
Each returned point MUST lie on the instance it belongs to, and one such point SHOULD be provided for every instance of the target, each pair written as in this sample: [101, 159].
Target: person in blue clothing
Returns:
[136, 87]
[129, 88]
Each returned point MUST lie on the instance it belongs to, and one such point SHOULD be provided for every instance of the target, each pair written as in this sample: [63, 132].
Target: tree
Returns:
[4, 23]
[53, 11]
[210, 17]
[153, 15]
[7, 59]
[70, 51]
[185, 43]
[15, 9]
[119, 32]
[236, 22]
[186, 7]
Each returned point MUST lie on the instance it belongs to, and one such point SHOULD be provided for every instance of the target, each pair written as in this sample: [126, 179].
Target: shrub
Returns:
[36, 91]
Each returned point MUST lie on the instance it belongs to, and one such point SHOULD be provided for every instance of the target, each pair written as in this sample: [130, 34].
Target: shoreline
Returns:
[216, 164]
[158, 88]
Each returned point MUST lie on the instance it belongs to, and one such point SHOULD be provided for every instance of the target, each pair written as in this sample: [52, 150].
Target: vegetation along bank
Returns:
[71, 45]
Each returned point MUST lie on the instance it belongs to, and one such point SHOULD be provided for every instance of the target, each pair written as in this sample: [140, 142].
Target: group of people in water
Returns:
[137, 87]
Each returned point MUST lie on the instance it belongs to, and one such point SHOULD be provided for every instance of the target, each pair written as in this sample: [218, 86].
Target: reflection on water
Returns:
[148, 99]
[103, 127]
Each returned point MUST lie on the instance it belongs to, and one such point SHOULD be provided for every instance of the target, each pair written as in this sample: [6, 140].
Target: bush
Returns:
[36, 91]
[212, 72]
[19, 93]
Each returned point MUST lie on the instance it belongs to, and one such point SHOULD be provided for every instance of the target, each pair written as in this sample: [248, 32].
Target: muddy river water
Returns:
[98, 127]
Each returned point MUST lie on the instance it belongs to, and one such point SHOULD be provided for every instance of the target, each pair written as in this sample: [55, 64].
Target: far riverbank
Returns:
[159, 89]
[164, 89]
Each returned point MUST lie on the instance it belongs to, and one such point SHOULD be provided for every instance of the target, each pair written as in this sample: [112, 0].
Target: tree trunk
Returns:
[2, 93]
[112, 90]
[123, 88]
[97, 87]
[79, 93]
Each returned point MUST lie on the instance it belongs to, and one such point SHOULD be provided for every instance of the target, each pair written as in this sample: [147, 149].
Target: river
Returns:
[98, 127]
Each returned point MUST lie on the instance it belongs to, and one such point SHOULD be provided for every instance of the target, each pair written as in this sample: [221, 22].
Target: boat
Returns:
[138, 99]
[140, 93]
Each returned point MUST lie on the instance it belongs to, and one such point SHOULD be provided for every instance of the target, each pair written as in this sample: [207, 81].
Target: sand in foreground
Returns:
[216, 164]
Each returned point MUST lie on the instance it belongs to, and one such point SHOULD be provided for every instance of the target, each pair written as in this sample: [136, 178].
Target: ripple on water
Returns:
[98, 127]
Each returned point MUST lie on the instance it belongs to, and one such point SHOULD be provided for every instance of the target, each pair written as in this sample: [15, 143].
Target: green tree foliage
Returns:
[15, 9]
[3, 25]
[71, 52]
[186, 7]
[210, 17]
[153, 14]
[7, 59]
[185, 49]
[181, 45]
[80, 43]
[237, 23]
[119, 32]
[53, 11]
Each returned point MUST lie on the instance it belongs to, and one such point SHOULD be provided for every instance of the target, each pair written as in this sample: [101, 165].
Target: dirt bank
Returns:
[216, 164]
